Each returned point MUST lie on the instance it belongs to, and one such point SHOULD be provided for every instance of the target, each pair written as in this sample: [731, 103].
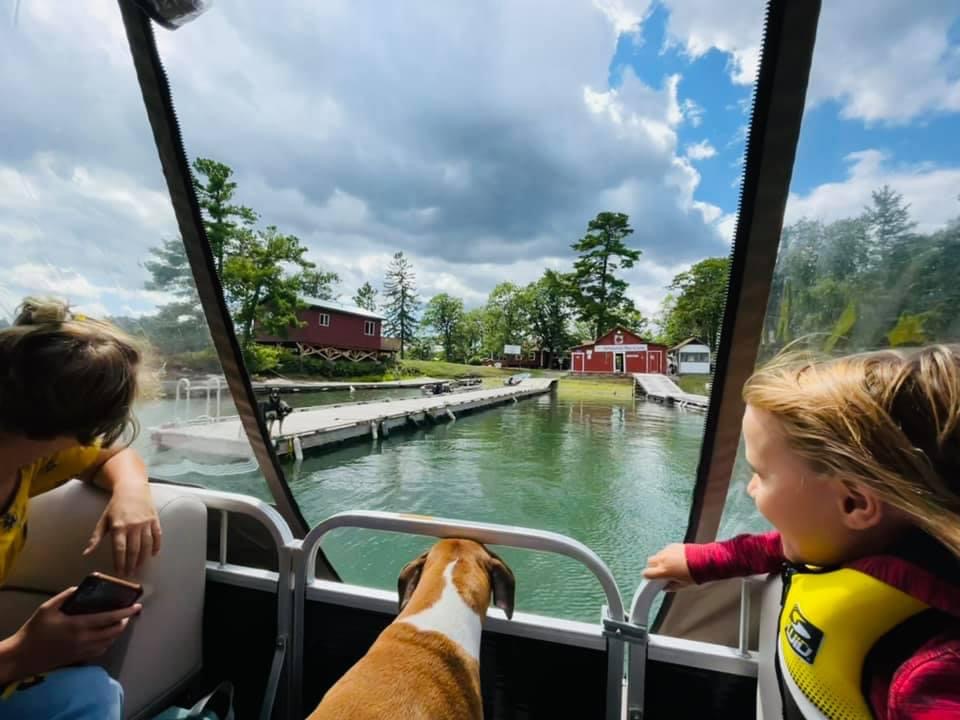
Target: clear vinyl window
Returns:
[438, 167]
[870, 246]
[86, 218]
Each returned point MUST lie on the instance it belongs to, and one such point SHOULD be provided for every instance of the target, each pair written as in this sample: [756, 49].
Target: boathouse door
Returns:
[655, 361]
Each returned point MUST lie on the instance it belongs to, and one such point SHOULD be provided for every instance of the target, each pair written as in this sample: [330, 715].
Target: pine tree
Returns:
[400, 300]
[222, 220]
[366, 297]
[600, 296]
[889, 223]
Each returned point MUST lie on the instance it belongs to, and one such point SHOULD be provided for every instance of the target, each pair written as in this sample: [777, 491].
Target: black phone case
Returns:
[96, 595]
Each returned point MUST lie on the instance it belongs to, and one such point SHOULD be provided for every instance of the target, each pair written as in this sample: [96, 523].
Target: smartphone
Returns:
[101, 593]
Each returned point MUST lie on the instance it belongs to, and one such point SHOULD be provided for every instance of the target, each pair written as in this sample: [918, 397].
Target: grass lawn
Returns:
[411, 369]
[693, 384]
[440, 369]
[568, 388]
[587, 388]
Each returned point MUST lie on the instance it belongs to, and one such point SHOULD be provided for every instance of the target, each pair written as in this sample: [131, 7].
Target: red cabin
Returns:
[620, 351]
[336, 332]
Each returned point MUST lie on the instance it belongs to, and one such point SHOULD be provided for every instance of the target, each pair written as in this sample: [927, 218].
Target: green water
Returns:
[616, 477]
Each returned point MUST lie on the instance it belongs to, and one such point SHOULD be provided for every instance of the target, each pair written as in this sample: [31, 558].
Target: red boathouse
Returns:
[335, 331]
[620, 351]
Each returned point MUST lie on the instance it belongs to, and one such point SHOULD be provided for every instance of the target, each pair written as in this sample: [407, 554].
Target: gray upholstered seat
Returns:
[163, 648]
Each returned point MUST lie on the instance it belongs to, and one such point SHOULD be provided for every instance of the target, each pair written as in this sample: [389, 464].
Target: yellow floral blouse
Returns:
[36, 478]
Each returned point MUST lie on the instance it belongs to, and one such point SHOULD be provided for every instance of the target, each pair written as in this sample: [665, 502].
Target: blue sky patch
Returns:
[724, 107]
[827, 138]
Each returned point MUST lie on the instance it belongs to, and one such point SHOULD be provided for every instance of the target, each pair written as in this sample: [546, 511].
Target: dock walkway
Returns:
[208, 384]
[662, 389]
[294, 386]
[315, 427]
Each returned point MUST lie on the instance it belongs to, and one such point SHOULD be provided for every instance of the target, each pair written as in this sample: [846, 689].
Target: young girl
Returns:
[856, 463]
[67, 386]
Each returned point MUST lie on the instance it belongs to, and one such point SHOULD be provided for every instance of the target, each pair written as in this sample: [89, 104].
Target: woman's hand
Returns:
[131, 520]
[130, 517]
[50, 639]
[669, 564]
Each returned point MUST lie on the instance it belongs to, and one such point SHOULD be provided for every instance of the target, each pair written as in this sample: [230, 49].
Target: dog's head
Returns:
[478, 574]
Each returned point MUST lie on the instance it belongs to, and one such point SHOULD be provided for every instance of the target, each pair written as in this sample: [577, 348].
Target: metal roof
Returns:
[341, 307]
[690, 341]
[621, 328]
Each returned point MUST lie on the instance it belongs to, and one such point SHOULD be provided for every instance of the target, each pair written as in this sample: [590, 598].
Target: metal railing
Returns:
[626, 636]
[213, 388]
[640, 607]
[487, 533]
[226, 503]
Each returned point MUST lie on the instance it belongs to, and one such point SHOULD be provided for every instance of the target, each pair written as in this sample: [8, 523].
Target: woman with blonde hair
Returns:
[67, 388]
[856, 463]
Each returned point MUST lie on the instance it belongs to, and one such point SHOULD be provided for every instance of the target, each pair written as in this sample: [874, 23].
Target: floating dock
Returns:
[662, 389]
[295, 386]
[314, 427]
[203, 385]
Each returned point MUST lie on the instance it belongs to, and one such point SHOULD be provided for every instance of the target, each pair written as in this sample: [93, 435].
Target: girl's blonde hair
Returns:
[889, 420]
[65, 374]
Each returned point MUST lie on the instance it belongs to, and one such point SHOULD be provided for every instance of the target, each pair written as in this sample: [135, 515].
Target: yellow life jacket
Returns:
[828, 623]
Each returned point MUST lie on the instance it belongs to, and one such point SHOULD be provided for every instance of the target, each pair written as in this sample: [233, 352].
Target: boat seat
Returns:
[768, 688]
[162, 650]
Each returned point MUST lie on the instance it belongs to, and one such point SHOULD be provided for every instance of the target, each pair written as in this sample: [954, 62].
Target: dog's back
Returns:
[407, 674]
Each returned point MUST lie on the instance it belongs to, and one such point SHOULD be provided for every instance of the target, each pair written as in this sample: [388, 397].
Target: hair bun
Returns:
[39, 311]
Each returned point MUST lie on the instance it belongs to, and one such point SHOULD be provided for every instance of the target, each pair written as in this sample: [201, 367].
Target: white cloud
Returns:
[702, 150]
[625, 15]
[882, 61]
[698, 26]
[648, 283]
[52, 280]
[362, 129]
[94, 224]
[728, 226]
[930, 191]
[637, 113]
[692, 112]
[896, 66]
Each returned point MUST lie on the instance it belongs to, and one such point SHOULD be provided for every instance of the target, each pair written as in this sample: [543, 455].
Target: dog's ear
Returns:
[503, 583]
[409, 578]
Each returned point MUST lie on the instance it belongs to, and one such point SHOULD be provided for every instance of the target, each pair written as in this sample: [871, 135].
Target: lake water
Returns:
[615, 476]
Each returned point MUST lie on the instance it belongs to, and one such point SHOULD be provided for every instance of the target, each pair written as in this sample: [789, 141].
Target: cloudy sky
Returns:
[477, 137]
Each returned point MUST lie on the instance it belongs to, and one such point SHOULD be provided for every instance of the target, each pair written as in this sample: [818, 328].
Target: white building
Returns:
[691, 357]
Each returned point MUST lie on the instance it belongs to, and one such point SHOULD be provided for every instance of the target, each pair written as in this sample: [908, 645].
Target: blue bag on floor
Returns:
[218, 705]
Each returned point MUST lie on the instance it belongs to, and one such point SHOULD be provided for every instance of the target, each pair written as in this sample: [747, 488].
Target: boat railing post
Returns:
[224, 526]
[219, 396]
[182, 383]
[744, 634]
[286, 545]
[639, 618]
[637, 659]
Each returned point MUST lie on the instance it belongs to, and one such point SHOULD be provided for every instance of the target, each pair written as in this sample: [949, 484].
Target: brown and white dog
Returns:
[426, 664]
